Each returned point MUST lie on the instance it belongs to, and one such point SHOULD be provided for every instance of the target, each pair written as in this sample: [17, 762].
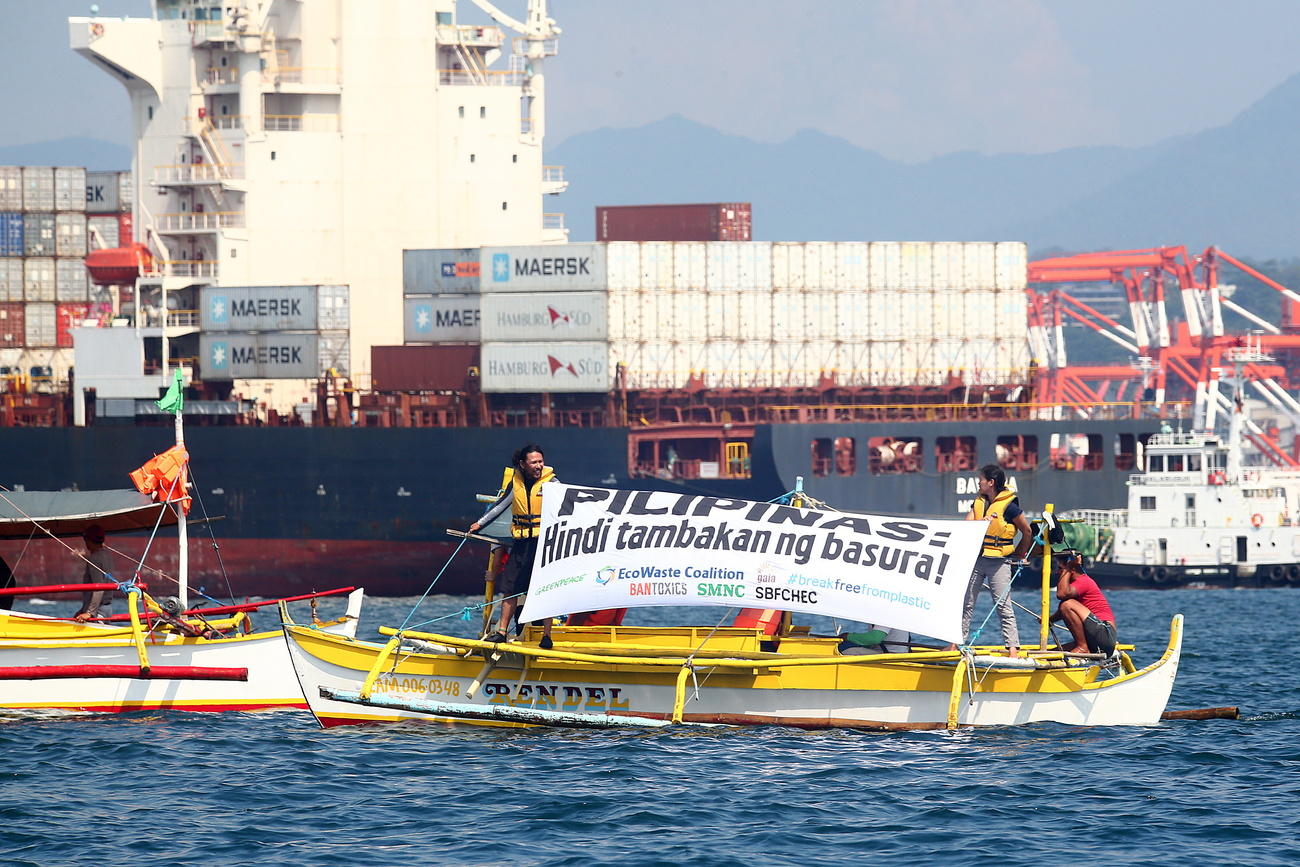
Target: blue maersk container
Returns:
[11, 234]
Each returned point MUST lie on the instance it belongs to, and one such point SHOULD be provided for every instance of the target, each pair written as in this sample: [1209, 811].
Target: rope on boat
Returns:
[216, 549]
[431, 583]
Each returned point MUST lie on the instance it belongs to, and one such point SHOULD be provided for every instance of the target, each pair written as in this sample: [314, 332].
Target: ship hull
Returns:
[297, 509]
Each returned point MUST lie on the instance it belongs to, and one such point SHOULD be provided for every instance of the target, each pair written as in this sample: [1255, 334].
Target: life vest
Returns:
[1000, 537]
[526, 510]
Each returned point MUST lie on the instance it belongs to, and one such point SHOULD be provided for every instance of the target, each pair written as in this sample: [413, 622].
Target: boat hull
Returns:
[270, 682]
[883, 695]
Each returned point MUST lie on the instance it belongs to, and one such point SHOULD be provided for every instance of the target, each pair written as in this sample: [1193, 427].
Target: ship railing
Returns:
[808, 413]
[300, 122]
[552, 174]
[183, 318]
[490, 77]
[1097, 518]
[525, 125]
[302, 75]
[210, 31]
[487, 37]
[189, 268]
[199, 221]
[552, 221]
[186, 173]
[221, 75]
[519, 46]
[227, 121]
[1176, 438]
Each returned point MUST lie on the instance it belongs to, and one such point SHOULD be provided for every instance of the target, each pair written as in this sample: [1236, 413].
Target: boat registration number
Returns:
[420, 685]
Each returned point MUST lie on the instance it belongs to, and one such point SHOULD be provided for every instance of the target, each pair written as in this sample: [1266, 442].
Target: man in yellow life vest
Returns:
[523, 495]
[997, 505]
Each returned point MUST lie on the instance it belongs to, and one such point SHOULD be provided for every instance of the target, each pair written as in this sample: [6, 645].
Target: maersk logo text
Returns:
[553, 267]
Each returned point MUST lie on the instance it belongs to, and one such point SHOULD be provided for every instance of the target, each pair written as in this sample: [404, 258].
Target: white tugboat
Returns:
[1197, 514]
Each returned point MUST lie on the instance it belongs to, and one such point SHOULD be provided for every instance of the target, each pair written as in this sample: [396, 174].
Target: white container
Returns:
[548, 367]
[271, 355]
[852, 315]
[787, 266]
[70, 280]
[853, 363]
[616, 304]
[852, 266]
[543, 267]
[915, 314]
[738, 364]
[623, 265]
[109, 192]
[821, 265]
[274, 308]
[948, 317]
[722, 315]
[11, 188]
[649, 363]
[946, 265]
[42, 328]
[108, 229]
[978, 265]
[11, 279]
[70, 189]
[515, 316]
[448, 271]
[38, 280]
[1011, 264]
[441, 319]
[657, 265]
[38, 188]
[690, 266]
[690, 315]
[821, 315]
[915, 265]
[38, 234]
[885, 314]
[788, 314]
[70, 233]
[755, 321]
[885, 265]
[754, 266]
[981, 316]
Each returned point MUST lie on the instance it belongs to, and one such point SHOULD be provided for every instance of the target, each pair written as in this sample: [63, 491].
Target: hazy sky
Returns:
[908, 78]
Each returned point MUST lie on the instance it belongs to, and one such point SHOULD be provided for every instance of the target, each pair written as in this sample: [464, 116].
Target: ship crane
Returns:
[539, 34]
[1188, 358]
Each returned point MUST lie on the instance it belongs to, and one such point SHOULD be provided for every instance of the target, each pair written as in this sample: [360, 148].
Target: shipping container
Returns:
[11, 188]
[70, 234]
[690, 266]
[38, 234]
[566, 316]
[441, 319]
[109, 192]
[1011, 265]
[38, 279]
[103, 231]
[41, 326]
[11, 279]
[422, 368]
[270, 355]
[13, 325]
[12, 241]
[68, 317]
[439, 272]
[693, 222]
[273, 308]
[946, 265]
[623, 265]
[979, 265]
[546, 367]
[852, 266]
[71, 282]
[885, 267]
[70, 189]
[543, 267]
[38, 188]
[652, 363]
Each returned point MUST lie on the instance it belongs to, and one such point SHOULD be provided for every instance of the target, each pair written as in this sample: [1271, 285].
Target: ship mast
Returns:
[539, 33]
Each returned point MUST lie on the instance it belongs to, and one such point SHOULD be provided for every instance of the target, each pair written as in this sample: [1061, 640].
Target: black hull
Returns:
[311, 508]
[1149, 577]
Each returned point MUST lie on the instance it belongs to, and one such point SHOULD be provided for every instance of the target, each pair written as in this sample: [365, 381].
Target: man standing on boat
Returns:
[99, 568]
[997, 505]
[1084, 610]
[523, 495]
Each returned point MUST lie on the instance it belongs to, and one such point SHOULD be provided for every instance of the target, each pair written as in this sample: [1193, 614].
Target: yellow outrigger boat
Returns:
[773, 673]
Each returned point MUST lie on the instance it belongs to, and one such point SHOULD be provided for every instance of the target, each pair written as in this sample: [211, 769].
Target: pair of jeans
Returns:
[996, 572]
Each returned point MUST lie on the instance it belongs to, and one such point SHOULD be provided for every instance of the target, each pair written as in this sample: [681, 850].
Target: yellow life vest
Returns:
[999, 538]
[526, 510]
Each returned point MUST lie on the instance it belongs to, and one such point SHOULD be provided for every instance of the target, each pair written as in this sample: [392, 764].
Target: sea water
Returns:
[273, 788]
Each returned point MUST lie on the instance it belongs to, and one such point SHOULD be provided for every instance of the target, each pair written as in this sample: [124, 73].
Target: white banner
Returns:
[603, 548]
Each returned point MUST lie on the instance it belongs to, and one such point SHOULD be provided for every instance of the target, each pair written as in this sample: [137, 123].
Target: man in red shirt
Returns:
[1084, 610]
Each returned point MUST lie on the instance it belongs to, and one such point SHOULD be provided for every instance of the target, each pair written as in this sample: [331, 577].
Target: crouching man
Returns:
[1084, 610]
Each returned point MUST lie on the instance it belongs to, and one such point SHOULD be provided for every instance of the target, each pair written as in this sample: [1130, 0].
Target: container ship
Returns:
[334, 226]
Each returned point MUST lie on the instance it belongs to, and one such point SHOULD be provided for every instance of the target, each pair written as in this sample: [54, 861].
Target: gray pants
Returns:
[997, 573]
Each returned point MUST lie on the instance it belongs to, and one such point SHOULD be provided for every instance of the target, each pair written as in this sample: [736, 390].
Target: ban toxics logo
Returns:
[605, 575]
[422, 317]
[220, 308]
[500, 267]
[219, 354]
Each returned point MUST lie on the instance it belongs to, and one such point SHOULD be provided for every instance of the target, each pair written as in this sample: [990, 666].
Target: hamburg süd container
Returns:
[546, 367]
[442, 271]
[38, 188]
[543, 268]
[441, 319]
[568, 316]
[689, 222]
[13, 325]
[422, 368]
[12, 242]
[274, 308]
[271, 355]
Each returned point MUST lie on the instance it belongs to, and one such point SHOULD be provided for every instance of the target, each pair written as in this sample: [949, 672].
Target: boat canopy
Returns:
[23, 514]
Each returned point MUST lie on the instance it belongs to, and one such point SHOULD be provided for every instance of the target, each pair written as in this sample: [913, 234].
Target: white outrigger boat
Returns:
[604, 549]
[161, 654]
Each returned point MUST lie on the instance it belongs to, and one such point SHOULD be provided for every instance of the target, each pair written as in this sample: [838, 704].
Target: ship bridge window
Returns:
[1147, 504]
[1016, 452]
[887, 455]
[822, 452]
[1155, 463]
[1175, 463]
[1126, 449]
[1076, 452]
[954, 454]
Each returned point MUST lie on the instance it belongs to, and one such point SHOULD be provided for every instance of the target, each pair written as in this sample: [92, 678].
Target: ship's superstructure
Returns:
[288, 143]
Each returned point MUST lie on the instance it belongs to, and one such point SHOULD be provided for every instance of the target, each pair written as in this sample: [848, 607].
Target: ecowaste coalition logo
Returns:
[422, 318]
[219, 354]
[220, 308]
[605, 574]
[500, 267]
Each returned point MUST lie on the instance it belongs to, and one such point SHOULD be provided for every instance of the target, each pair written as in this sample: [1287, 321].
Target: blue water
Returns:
[179, 788]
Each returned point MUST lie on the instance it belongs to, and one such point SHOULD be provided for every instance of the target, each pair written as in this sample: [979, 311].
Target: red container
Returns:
[68, 316]
[710, 222]
[13, 325]
[124, 232]
[422, 368]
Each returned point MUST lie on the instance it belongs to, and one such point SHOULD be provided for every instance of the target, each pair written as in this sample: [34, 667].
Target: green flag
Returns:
[174, 399]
